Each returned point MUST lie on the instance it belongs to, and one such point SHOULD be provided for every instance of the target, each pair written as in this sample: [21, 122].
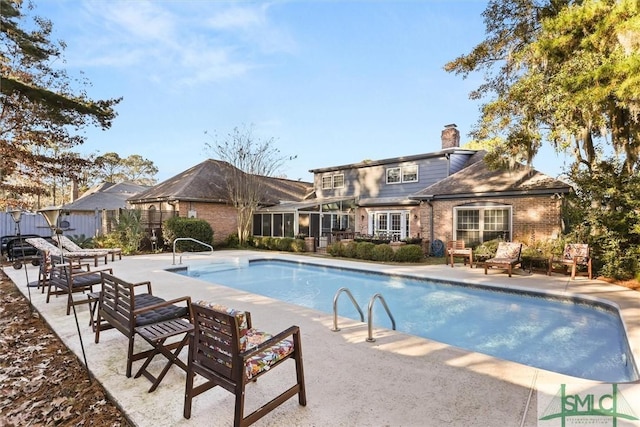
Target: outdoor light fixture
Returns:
[51, 215]
[16, 215]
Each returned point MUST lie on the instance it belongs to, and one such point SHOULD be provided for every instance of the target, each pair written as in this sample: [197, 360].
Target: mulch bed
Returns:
[41, 381]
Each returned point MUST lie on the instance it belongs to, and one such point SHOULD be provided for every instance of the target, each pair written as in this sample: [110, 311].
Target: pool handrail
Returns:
[379, 296]
[335, 307]
[191, 239]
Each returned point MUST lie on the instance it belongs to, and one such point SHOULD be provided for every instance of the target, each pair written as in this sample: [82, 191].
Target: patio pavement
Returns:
[398, 380]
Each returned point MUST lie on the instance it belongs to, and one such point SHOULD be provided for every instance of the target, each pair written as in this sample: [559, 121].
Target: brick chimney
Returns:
[450, 137]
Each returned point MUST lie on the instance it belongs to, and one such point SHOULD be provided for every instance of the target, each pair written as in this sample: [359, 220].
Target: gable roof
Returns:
[106, 195]
[478, 180]
[393, 160]
[206, 182]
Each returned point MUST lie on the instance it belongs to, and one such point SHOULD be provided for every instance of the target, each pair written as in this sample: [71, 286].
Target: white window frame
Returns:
[327, 182]
[408, 173]
[340, 184]
[413, 171]
[398, 234]
[391, 171]
[481, 209]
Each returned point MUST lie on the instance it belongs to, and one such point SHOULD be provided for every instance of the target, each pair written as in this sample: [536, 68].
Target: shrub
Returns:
[178, 227]
[409, 253]
[413, 240]
[232, 241]
[82, 241]
[297, 245]
[382, 252]
[487, 249]
[364, 250]
[284, 244]
[350, 250]
[336, 249]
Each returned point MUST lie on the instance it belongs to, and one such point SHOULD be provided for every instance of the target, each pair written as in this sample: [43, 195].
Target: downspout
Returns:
[431, 222]
[448, 157]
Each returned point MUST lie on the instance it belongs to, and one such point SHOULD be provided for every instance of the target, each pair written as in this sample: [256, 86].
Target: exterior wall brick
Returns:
[223, 218]
[534, 217]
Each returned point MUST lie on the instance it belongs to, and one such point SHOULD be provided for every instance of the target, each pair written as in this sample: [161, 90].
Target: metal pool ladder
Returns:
[190, 239]
[370, 311]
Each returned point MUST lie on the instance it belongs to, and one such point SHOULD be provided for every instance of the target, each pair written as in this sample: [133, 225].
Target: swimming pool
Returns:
[569, 335]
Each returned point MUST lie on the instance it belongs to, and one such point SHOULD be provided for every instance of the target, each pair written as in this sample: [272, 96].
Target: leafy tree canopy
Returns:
[110, 167]
[42, 109]
[561, 71]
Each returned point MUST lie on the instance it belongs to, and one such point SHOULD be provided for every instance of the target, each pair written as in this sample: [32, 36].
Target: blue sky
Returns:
[333, 82]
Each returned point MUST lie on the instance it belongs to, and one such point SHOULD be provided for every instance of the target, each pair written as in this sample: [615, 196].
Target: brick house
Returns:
[446, 194]
[201, 192]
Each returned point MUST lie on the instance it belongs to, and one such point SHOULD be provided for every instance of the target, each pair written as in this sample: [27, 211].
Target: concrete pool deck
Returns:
[398, 380]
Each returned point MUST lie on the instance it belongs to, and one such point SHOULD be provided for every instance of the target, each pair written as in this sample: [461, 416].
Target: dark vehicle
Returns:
[18, 251]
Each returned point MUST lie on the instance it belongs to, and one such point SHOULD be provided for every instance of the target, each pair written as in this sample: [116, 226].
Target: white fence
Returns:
[34, 223]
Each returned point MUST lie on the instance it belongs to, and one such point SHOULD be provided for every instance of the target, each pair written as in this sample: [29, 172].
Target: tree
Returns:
[566, 72]
[139, 170]
[251, 160]
[41, 108]
[110, 167]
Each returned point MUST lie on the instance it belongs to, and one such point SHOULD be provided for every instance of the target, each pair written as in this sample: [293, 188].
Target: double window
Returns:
[478, 224]
[402, 174]
[332, 181]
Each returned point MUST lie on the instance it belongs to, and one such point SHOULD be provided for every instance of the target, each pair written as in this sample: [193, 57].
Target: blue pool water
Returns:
[572, 336]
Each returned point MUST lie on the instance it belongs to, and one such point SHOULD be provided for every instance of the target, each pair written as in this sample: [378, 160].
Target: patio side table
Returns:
[157, 334]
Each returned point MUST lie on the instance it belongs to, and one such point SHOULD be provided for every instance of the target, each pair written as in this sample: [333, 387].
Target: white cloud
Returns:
[185, 43]
[236, 17]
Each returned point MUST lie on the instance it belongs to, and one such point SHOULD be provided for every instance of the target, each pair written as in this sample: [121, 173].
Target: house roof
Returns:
[206, 182]
[106, 195]
[478, 180]
[367, 163]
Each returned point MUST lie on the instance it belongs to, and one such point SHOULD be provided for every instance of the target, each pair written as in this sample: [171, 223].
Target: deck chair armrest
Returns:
[163, 304]
[88, 273]
[105, 269]
[290, 331]
[147, 283]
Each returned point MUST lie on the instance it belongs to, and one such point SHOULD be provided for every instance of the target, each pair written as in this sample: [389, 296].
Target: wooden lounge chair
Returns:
[120, 307]
[42, 245]
[574, 254]
[228, 352]
[507, 256]
[71, 246]
[67, 279]
[456, 249]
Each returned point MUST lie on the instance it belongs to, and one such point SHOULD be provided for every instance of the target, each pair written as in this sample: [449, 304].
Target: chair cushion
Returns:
[576, 250]
[159, 314]
[508, 250]
[240, 316]
[267, 358]
[251, 338]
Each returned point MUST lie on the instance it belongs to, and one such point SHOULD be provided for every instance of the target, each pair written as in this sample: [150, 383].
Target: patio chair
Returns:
[227, 351]
[120, 307]
[42, 245]
[574, 254]
[72, 246]
[507, 256]
[456, 249]
[69, 278]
